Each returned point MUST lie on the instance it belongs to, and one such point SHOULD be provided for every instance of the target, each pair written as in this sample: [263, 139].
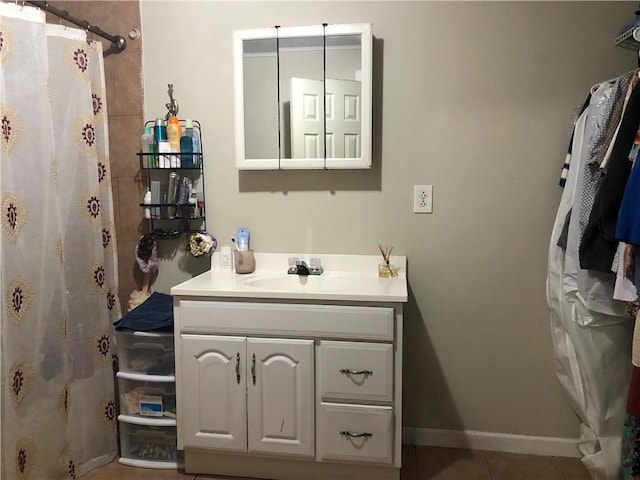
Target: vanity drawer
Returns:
[358, 433]
[300, 320]
[356, 371]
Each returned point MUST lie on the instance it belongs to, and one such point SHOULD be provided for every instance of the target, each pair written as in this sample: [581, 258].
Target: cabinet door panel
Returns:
[281, 401]
[214, 398]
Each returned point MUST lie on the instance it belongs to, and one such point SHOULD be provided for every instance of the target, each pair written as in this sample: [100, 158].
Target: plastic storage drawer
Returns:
[146, 352]
[149, 396]
[148, 443]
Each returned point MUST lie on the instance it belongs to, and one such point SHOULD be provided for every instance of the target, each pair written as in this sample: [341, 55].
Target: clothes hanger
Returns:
[610, 81]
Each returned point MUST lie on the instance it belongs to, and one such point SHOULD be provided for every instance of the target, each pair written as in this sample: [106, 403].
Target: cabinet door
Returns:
[213, 413]
[280, 396]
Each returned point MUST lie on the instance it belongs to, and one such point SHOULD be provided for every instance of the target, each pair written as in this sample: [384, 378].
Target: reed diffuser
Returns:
[385, 269]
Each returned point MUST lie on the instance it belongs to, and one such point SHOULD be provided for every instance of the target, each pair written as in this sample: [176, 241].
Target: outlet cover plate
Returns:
[423, 199]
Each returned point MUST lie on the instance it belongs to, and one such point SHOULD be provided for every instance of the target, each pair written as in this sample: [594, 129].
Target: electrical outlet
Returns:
[423, 199]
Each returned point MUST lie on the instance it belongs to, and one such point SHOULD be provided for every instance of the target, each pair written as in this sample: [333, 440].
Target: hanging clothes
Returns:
[599, 243]
[591, 330]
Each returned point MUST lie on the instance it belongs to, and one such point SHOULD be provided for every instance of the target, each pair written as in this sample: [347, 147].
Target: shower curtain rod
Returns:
[118, 43]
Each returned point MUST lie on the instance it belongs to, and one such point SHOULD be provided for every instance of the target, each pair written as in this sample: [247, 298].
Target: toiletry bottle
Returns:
[147, 201]
[190, 145]
[225, 258]
[193, 202]
[148, 145]
[243, 238]
[183, 191]
[159, 131]
[174, 132]
[162, 143]
[171, 193]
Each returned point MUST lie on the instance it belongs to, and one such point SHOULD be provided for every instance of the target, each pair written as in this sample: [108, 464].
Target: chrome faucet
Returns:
[300, 267]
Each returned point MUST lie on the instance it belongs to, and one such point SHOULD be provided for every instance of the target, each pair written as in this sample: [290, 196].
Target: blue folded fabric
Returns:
[154, 314]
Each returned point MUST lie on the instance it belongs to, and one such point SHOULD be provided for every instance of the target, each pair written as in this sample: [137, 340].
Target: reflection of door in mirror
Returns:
[342, 118]
[344, 95]
[300, 57]
[307, 127]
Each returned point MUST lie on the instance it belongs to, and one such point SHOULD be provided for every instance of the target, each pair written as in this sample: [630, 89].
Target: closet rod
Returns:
[118, 43]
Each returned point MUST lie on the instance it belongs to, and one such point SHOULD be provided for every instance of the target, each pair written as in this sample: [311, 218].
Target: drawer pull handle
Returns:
[356, 372]
[238, 367]
[345, 433]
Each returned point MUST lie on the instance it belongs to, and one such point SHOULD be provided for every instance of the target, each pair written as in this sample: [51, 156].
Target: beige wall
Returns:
[475, 98]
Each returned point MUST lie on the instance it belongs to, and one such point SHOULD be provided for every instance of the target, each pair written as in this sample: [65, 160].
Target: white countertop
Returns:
[345, 277]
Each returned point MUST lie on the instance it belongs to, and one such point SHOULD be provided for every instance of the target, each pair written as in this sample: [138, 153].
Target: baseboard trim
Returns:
[500, 442]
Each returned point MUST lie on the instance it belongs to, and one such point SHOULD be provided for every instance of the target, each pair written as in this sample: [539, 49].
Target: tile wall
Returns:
[123, 72]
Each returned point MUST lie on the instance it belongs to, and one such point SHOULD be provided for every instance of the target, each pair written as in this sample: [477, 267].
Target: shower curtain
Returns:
[58, 274]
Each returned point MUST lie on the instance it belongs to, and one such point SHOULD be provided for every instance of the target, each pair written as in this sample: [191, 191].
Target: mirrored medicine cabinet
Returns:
[303, 97]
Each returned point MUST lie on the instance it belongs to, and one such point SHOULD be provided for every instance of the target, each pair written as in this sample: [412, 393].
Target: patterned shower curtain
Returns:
[58, 276]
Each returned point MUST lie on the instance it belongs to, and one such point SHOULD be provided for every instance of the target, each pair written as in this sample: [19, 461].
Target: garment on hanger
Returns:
[591, 329]
[599, 243]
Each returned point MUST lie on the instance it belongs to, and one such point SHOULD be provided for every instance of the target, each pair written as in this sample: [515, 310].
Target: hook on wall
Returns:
[172, 106]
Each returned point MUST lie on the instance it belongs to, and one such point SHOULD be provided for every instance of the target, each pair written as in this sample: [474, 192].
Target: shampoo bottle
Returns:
[174, 132]
[190, 145]
[162, 143]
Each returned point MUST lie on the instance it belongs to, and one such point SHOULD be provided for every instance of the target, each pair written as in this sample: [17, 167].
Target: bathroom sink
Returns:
[287, 282]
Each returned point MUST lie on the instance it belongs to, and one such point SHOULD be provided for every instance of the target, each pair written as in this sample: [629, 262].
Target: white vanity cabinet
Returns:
[303, 380]
[248, 394]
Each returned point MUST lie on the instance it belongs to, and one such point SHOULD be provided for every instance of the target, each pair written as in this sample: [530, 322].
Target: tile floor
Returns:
[419, 463]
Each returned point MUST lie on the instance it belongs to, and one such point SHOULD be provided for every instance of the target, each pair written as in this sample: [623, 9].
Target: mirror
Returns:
[303, 97]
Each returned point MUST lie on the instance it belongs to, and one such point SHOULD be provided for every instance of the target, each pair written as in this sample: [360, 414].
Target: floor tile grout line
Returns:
[559, 465]
[486, 463]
